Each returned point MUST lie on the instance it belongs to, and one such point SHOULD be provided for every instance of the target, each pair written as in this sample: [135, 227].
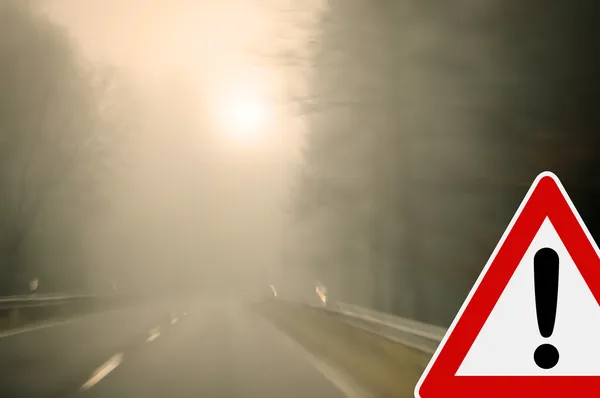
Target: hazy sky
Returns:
[225, 55]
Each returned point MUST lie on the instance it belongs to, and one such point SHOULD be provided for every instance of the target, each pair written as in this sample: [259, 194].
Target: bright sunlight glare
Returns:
[244, 116]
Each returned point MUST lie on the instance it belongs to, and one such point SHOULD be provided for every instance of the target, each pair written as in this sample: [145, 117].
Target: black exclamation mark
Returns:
[545, 270]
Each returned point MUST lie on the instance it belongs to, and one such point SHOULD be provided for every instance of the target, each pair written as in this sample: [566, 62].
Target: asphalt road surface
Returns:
[204, 349]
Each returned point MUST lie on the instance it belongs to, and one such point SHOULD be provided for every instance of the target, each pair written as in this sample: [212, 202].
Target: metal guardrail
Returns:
[418, 335]
[34, 300]
[17, 311]
[422, 336]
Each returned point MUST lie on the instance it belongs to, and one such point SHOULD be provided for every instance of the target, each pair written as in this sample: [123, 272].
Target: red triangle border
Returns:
[546, 198]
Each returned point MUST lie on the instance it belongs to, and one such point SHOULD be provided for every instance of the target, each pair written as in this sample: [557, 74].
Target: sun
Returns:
[244, 116]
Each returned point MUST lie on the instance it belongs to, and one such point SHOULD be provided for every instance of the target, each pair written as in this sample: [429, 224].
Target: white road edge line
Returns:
[50, 324]
[103, 371]
[340, 380]
[39, 326]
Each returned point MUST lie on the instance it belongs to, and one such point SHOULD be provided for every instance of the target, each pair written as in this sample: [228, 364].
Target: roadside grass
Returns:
[382, 367]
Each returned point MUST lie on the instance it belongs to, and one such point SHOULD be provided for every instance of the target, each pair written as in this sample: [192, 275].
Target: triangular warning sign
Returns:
[531, 324]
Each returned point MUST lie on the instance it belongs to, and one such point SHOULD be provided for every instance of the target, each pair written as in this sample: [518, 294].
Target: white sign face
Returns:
[507, 341]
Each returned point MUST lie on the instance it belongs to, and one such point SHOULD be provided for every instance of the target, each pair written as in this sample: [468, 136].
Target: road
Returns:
[207, 349]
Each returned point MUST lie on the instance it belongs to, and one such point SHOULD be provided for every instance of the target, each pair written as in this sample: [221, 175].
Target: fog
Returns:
[379, 148]
[202, 144]
[202, 205]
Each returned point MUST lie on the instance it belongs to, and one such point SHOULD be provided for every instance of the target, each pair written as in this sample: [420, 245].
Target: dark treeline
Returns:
[428, 122]
[53, 153]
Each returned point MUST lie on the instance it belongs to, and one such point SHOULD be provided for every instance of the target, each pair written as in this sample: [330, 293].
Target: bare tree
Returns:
[50, 129]
[429, 123]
